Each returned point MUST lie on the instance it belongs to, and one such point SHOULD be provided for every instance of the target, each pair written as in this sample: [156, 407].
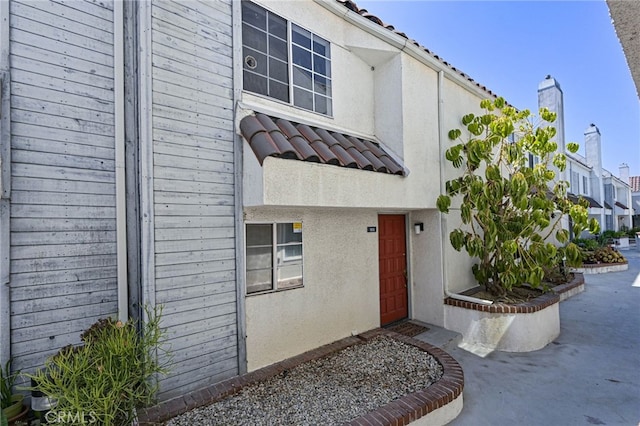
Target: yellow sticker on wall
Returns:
[297, 227]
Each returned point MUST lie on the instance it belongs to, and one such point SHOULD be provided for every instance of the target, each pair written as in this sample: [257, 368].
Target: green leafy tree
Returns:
[509, 210]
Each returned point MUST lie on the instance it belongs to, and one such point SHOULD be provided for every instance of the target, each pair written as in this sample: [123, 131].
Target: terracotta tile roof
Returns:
[634, 183]
[365, 14]
[276, 137]
[622, 206]
[574, 198]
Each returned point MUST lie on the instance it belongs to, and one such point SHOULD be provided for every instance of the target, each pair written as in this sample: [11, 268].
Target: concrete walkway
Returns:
[589, 376]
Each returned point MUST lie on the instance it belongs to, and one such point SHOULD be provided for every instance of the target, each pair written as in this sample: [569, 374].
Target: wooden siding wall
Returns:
[63, 251]
[194, 190]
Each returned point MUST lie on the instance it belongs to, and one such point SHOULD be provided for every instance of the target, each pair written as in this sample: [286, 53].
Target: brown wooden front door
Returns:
[392, 259]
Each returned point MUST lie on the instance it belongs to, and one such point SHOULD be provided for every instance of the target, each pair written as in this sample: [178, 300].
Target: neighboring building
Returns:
[118, 178]
[609, 196]
[626, 20]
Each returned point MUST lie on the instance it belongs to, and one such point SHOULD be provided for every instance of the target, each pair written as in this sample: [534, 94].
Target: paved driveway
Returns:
[589, 376]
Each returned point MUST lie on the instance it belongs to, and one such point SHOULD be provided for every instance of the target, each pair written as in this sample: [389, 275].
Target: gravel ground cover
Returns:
[327, 391]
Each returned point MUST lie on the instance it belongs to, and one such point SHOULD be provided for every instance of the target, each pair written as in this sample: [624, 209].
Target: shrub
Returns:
[508, 209]
[109, 375]
[587, 243]
[602, 255]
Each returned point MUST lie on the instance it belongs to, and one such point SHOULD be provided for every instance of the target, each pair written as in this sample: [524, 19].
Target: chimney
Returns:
[624, 173]
[550, 96]
[593, 148]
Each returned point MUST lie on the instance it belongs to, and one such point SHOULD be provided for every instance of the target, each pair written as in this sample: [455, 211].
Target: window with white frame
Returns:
[284, 61]
[585, 185]
[575, 183]
[273, 256]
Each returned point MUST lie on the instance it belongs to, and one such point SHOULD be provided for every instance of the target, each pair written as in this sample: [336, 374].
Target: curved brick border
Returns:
[529, 307]
[533, 305]
[399, 412]
[411, 407]
[575, 286]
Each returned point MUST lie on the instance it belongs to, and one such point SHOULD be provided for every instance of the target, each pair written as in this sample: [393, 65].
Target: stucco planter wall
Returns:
[575, 286]
[601, 268]
[622, 243]
[523, 327]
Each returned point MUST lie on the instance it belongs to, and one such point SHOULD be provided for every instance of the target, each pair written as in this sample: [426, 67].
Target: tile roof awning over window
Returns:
[277, 137]
[622, 206]
[574, 199]
[607, 205]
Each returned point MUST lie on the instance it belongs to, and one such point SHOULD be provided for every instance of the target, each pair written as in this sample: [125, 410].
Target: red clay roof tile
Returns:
[277, 137]
[634, 183]
[301, 145]
[318, 145]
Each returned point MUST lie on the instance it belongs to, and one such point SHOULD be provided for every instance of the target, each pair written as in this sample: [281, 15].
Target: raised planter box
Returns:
[571, 288]
[601, 268]
[522, 327]
[622, 243]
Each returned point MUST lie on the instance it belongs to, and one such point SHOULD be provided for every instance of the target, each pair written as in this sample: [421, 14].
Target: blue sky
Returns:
[510, 46]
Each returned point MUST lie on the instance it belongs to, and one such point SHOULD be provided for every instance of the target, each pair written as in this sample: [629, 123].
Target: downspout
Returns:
[442, 136]
[121, 190]
[5, 185]
[145, 90]
[238, 194]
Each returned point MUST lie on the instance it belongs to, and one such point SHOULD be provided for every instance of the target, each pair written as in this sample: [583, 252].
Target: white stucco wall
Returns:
[340, 294]
[427, 287]
[379, 92]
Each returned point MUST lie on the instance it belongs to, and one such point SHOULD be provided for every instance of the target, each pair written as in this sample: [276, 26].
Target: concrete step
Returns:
[438, 336]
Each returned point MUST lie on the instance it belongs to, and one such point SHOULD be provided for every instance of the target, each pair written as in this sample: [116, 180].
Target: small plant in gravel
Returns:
[509, 210]
[111, 374]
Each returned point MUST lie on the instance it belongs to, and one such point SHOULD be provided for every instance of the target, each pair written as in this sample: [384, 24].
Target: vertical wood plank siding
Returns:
[194, 190]
[63, 251]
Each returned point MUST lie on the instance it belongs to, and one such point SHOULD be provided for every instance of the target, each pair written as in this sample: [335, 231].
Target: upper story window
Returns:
[284, 61]
[575, 183]
[585, 185]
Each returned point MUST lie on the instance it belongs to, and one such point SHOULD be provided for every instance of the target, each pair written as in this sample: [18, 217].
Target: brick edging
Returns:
[578, 280]
[534, 305]
[398, 412]
[602, 265]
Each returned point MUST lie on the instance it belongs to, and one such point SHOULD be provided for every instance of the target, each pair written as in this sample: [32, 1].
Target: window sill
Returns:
[279, 290]
[257, 102]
